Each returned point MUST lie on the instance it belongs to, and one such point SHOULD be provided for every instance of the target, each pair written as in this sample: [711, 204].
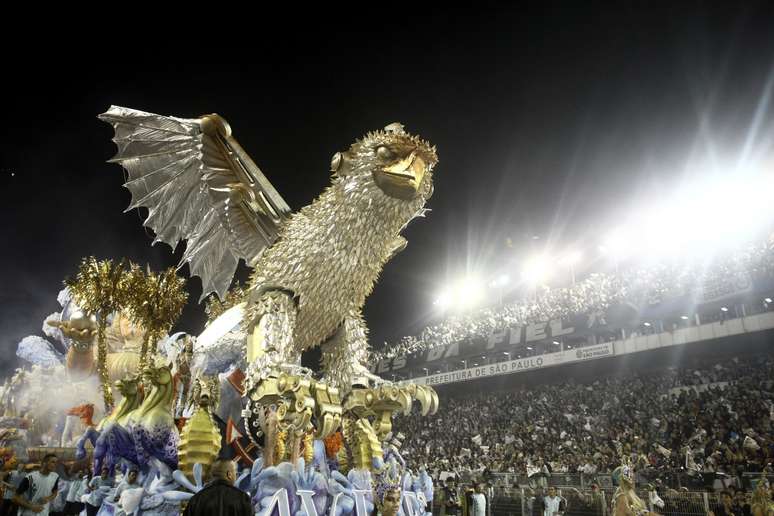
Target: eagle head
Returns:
[398, 164]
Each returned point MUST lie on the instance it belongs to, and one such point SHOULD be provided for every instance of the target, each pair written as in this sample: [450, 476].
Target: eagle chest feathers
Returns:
[329, 257]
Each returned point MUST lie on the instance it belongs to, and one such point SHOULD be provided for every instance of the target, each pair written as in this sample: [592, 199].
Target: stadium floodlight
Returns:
[571, 258]
[444, 299]
[686, 224]
[468, 292]
[535, 270]
[617, 244]
[500, 281]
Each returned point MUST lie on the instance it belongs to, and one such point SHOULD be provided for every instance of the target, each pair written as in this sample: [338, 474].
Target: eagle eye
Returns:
[384, 153]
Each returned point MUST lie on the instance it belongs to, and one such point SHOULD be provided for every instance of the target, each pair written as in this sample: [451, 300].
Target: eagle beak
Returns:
[402, 179]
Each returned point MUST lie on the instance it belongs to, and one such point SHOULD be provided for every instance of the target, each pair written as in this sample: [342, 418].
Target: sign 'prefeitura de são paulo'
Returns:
[519, 365]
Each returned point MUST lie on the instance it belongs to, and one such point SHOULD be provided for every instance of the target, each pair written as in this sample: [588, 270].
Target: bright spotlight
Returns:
[571, 259]
[723, 309]
[500, 281]
[465, 294]
[684, 317]
[617, 244]
[468, 292]
[687, 223]
[768, 300]
[535, 270]
[443, 300]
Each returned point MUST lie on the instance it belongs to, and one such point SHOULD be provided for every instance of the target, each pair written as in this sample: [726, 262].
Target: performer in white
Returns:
[77, 488]
[130, 482]
[11, 482]
[552, 503]
[98, 490]
[478, 501]
[34, 494]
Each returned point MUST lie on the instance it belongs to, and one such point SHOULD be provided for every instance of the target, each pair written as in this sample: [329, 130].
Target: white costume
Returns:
[35, 487]
[552, 505]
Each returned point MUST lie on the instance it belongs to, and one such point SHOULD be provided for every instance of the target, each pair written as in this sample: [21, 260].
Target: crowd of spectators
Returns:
[597, 293]
[715, 418]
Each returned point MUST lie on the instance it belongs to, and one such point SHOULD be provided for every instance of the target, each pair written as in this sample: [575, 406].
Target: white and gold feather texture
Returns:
[313, 270]
[198, 187]
[330, 254]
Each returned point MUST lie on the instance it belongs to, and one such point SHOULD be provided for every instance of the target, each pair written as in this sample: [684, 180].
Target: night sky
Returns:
[551, 123]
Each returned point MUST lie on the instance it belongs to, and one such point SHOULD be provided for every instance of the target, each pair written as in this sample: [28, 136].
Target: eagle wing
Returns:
[198, 185]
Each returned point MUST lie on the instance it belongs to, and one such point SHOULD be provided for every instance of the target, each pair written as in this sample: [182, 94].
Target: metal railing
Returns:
[525, 501]
[669, 478]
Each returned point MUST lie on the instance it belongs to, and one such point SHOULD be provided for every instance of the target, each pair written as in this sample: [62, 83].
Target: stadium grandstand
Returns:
[673, 365]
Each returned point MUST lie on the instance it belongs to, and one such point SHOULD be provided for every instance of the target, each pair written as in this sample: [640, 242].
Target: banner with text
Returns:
[519, 365]
[505, 338]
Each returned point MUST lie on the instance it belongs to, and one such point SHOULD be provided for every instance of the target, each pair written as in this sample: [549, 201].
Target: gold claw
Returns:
[404, 398]
[426, 396]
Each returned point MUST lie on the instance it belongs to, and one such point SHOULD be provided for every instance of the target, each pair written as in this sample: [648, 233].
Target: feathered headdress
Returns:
[388, 479]
[626, 470]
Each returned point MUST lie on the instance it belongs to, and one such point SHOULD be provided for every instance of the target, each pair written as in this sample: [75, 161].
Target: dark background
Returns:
[551, 121]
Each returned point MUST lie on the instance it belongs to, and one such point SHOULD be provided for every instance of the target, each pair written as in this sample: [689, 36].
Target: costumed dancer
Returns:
[388, 492]
[554, 505]
[10, 485]
[38, 489]
[762, 504]
[128, 482]
[57, 505]
[73, 503]
[625, 499]
[182, 379]
[97, 491]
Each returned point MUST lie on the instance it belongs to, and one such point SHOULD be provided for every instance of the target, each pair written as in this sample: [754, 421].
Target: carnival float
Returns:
[111, 385]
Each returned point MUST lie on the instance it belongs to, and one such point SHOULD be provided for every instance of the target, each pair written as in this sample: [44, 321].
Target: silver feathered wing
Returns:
[198, 185]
